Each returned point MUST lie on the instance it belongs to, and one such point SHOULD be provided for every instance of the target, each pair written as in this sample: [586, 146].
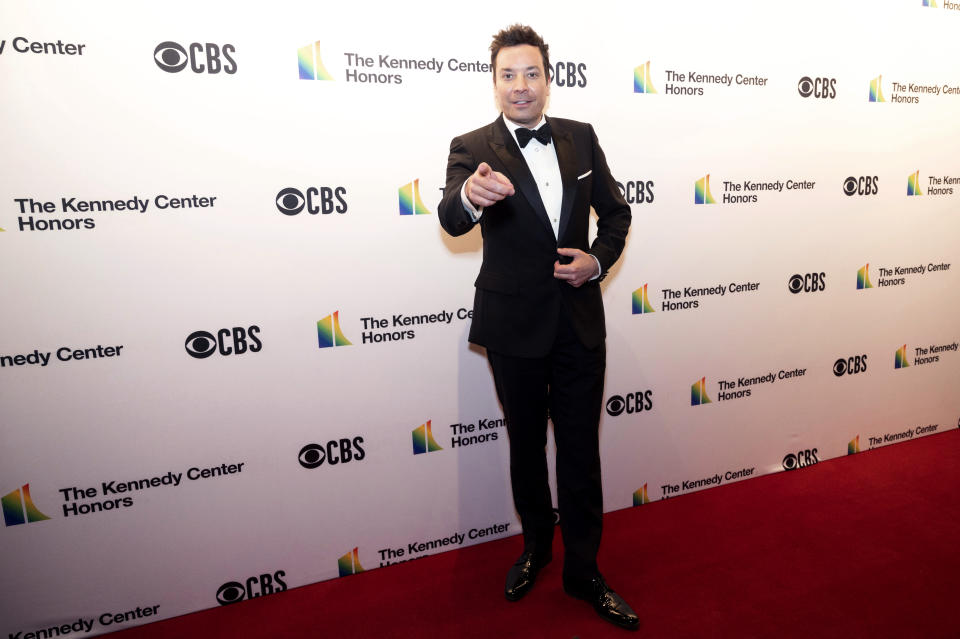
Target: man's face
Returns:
[521, 84]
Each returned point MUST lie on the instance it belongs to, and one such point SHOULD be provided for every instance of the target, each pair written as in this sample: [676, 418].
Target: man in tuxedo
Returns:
[529, 181]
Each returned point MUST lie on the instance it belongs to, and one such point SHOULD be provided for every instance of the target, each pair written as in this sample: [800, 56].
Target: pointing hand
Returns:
[486, 186]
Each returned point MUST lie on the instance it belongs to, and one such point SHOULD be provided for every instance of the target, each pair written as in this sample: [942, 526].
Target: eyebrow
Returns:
[534, 67]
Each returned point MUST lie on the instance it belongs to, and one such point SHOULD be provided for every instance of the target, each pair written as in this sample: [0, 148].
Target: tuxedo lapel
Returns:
[507, 150]
[567, 159]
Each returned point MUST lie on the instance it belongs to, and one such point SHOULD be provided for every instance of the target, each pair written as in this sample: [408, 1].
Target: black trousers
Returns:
[568, 382]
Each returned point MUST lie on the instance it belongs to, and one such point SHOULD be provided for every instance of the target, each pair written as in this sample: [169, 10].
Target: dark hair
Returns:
[517, 34]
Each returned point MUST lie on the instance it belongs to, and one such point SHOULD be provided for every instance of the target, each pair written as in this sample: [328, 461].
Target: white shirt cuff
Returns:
[474, 212]
[599, 268]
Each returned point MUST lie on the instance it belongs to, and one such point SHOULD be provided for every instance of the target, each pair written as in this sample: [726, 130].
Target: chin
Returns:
[525, 118]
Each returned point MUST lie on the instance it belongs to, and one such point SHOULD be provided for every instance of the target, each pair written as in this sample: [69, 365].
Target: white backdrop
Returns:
[216, 303]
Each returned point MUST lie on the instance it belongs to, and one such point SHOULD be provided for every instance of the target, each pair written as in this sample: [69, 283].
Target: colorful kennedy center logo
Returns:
[18, 507]
[423, 441]
[329, 332]
[349, 564]
[410, 201]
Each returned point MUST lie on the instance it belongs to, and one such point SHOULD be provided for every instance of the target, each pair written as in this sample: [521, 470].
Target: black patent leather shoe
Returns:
[523, 574]
[606, 602]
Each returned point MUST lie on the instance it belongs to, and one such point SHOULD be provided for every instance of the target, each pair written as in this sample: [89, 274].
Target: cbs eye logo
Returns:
[170, 57]
[337, 451]
[230, 592]
[863, 185]
[202, 58]
[615, 405]
[227, 341]
[851, 365]
[636, 402]
[796, 284]
[324, 200]
[258, 586]
[817, 87]
[290, 201]
[311, 456]
[808, 283]
[200, 344]
[802, 459]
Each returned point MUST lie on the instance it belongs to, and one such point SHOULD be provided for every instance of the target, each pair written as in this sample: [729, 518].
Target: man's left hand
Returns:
[580, 270]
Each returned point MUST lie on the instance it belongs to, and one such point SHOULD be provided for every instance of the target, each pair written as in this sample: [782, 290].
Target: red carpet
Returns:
[861, 546]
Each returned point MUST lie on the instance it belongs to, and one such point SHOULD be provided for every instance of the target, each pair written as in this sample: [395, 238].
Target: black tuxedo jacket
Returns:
[518, 301]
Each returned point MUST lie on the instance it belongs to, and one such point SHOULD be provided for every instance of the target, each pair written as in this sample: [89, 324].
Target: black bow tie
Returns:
[524, 135]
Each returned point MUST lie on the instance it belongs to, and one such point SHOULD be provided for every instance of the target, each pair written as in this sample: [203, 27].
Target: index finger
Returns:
[495, 182]
[504, 180]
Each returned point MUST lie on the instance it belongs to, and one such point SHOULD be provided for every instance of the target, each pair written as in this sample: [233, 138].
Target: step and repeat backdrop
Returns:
[234, 355]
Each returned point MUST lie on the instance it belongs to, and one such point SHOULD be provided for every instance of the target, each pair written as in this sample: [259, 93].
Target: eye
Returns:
[230, 592]
[200, 344]
[839, 367]
[170, 56]
[790, 461]
[615, 405]
[796, 283]
[805, 86]
[290, 201]
[311, 456]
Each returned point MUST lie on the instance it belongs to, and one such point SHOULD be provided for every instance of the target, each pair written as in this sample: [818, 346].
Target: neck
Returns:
[513, 125]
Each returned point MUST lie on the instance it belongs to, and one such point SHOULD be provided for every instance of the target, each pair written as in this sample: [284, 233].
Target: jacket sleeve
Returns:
[613, 212]
[454, 218]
